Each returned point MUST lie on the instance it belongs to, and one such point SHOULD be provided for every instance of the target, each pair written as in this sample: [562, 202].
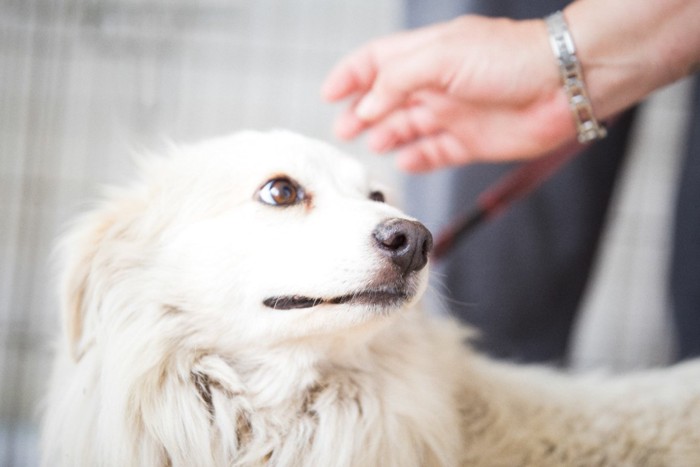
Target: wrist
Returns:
[605, 58]
[628, 49]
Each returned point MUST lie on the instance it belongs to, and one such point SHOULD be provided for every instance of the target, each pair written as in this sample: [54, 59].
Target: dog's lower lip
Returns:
[291, 302]
[367, 297]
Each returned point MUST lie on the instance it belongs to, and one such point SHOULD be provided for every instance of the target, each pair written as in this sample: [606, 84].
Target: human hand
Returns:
[472, 89]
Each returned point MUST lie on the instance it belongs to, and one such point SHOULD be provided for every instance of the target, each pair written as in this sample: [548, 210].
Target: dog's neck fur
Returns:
[313, 393]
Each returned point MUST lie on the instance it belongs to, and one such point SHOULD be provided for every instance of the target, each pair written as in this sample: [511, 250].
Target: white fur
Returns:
[171, 359]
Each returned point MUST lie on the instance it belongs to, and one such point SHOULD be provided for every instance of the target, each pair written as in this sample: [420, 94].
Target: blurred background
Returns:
[86, 83]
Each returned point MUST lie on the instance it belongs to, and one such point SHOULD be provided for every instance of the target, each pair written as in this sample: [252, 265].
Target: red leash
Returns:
[512, 186]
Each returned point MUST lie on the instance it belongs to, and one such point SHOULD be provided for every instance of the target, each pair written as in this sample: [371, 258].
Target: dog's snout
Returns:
[407, 243]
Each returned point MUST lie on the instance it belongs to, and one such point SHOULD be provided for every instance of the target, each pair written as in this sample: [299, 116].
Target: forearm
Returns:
[629, 48]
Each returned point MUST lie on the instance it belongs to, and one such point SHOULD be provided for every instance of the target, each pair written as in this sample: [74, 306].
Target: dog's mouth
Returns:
[384, 298]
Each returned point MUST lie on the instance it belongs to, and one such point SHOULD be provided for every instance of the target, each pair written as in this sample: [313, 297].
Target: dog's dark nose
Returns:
[406, 243]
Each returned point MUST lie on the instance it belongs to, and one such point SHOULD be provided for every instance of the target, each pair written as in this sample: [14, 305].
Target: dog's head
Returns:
[258, 237]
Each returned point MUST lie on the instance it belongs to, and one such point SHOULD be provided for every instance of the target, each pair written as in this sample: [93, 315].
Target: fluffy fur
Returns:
[171, 358]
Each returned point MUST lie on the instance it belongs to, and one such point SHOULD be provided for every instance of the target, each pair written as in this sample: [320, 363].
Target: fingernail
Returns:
[409, 161]
[383, 142]
[347, 126]
[368, 108]
[329, 91]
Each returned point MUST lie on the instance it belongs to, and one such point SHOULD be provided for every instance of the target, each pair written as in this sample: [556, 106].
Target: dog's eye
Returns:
[281, 192]
[377, 196]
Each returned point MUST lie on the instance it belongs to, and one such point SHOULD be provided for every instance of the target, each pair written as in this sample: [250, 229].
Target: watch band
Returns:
[587, 126]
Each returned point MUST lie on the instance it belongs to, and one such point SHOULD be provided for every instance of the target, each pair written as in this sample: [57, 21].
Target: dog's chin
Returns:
[385, 297]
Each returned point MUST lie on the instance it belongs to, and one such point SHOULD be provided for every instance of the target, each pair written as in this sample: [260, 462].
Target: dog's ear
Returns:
[79, 249]
[88, 263]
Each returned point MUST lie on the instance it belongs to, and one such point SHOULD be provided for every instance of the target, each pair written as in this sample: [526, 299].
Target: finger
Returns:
[353, 74]
[358, 70]
[413, 71]
[434, 152]
[402, 127]
[347, 126]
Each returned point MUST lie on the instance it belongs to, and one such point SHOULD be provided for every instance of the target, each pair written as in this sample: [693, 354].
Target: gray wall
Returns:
[84, 84]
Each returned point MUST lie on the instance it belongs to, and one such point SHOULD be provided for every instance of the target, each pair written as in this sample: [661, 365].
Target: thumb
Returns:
[400, 78]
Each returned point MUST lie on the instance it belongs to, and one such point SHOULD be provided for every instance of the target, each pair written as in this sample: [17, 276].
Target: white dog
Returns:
[253, 301]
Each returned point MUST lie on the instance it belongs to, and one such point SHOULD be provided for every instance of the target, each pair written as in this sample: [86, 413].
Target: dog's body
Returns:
[248, 303]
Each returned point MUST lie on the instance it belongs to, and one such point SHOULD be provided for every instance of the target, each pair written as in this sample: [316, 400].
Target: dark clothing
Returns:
[685, 260]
